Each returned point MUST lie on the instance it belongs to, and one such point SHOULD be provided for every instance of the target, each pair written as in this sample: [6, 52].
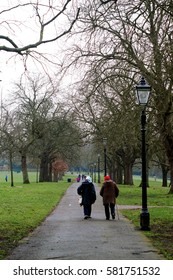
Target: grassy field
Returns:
[23, 207]
[17, 177]
[160, 205]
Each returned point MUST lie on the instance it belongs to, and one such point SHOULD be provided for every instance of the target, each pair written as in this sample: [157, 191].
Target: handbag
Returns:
[80, 200]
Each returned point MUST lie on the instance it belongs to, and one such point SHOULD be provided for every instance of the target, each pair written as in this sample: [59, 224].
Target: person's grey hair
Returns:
[88, 178]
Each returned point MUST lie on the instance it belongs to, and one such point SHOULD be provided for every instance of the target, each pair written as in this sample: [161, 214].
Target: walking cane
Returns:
[117, 211]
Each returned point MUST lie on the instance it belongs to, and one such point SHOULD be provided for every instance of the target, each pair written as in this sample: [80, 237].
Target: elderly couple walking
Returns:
[109, 191]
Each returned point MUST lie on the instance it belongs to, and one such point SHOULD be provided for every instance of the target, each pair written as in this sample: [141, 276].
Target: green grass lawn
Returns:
[24, 207]
[17, 177]
[160, 206]
[156, 195]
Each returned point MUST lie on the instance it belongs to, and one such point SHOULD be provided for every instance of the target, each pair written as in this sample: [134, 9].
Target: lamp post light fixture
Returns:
[105, 155]
[98, 168]
[143, 91]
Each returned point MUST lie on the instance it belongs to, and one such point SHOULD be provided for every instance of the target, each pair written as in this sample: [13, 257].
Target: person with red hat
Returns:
[109, 191]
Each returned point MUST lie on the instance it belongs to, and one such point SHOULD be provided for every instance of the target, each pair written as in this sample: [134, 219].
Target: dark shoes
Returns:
[87, 217]
[113, 217]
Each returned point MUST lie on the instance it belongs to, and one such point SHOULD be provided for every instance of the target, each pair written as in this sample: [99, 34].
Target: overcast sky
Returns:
[24, 30]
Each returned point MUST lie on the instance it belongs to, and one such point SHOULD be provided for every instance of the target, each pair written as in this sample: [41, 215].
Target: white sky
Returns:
[24, 30]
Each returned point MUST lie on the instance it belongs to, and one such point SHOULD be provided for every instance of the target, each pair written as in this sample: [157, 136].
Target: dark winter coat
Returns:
[88, 193]
[109, 192]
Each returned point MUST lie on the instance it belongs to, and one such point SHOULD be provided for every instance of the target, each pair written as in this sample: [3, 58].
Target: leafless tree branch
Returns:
[105, 2]
[26, 49]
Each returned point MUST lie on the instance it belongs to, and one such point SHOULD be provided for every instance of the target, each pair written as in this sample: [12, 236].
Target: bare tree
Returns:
[43, 17]
[103, 103]
[138, 33]
[34, 102]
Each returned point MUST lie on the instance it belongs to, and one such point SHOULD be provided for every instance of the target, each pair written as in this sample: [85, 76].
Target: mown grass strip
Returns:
[161, 224]
[22, 208]
[160, 205]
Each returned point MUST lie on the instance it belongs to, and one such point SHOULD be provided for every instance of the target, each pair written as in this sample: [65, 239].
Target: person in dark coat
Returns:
[109, 192]
[88, 193]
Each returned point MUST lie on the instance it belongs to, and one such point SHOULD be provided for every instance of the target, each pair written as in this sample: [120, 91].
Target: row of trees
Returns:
[39, 128]
[116, 42]
[124, 41]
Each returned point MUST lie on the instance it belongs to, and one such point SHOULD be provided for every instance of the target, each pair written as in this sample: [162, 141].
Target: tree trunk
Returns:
[50, 172]
[11, 169]
[171, 178]
[164, 176]
[24, 169]
[60, 177]
[128, 175]
[127, 159]
[114, 174]
[55, 177]
[37, 173]
[113, 170]
[168, 141]
[44, 168]
[119, 174]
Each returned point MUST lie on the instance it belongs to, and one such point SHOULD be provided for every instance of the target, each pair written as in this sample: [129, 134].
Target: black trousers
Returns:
[87, 209]
[109, 207]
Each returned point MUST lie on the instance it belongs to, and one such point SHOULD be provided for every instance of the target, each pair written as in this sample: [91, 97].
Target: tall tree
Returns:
[103, 101]
[140, 34]
[34, 101]
[61, 140]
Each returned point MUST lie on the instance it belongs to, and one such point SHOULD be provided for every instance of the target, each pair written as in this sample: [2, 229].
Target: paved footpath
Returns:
[65, 235]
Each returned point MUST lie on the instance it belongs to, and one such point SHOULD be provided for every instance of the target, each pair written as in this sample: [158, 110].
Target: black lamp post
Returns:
[94, 172]
[143, 91]
[98, 168]
[105, 163]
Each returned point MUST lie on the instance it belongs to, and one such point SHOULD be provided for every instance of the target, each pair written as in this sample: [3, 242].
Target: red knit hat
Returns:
[107, 178]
